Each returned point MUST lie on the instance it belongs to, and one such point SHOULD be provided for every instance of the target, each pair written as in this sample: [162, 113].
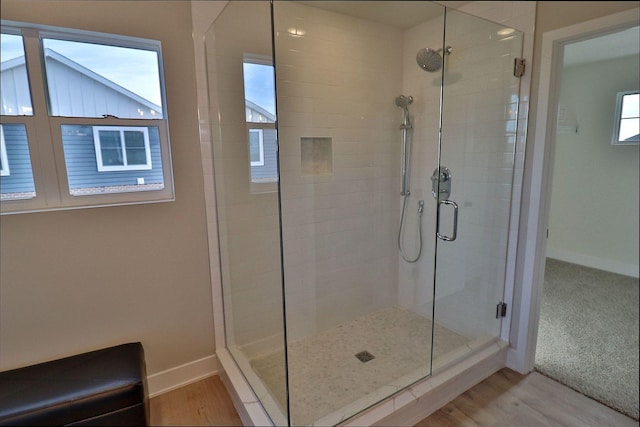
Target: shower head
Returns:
[404, 101]
[431, 60]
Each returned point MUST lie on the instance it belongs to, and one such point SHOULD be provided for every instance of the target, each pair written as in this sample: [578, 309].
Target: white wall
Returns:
[77, 280]
[556, 22]
[594, 216]
[415, 281]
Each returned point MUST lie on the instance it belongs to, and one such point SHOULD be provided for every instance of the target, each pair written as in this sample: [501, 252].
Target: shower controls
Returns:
[441, 190]
[441, 183]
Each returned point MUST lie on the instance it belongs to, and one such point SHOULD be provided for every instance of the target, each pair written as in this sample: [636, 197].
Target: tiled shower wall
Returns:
[493, 161]
[328, 278]
[479, 142]
[338, 81]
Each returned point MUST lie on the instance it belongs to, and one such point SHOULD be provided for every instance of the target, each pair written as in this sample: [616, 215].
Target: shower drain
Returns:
[365, 356]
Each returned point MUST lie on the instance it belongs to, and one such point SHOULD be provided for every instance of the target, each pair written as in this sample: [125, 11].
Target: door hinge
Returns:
[518, 67]
[501, 310]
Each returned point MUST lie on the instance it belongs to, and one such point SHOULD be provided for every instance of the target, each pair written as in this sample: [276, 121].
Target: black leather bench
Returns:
[104, 387]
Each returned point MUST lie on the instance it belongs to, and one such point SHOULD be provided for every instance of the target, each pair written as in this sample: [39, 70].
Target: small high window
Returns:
[256, 147]
[626, 125]
[124, 148]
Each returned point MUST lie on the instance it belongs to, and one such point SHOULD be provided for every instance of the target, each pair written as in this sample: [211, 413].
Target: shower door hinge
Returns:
[518, 67]
[501, 310]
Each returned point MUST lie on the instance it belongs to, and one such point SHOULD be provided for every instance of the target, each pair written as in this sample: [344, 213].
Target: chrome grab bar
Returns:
[455, 221]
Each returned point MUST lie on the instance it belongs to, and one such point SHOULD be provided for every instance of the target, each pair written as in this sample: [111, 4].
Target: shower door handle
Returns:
[455, 221]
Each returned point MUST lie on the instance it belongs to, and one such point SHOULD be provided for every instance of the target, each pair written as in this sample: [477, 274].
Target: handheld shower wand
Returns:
[404, 102]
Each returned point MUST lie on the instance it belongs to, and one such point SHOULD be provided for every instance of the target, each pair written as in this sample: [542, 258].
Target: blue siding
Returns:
[270, 147]
[21, 176]
[82, 167]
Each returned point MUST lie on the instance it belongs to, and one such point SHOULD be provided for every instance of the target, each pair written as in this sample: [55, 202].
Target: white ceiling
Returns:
[406, 14]
[403, 15]
[601, 48]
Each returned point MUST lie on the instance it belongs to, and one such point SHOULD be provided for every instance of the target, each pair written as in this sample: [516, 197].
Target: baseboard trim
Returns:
[180, 376]
[593, 262]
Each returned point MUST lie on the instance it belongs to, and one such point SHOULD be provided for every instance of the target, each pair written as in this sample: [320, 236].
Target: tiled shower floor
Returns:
[326, 377]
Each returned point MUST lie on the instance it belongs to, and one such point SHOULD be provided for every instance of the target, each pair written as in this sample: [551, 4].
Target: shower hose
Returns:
[400, 230]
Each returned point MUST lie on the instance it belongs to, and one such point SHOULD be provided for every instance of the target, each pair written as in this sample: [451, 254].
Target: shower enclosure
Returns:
[363, 156]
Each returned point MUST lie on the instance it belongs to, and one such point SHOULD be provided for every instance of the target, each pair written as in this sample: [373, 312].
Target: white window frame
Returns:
[617, 121]
[47, 150]
[261, 146]
[4, 160]
[125, 166]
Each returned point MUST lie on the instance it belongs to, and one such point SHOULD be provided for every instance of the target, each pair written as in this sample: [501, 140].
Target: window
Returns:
[259, 93]
[16, 179]
[121, 148]
[4, 162]
[14, 75]
[102, 103]
[626, 125]
[256, 147]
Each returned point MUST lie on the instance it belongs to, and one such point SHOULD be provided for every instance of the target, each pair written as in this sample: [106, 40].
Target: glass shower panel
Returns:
[352, 341]
[479, 123]
[242, 105]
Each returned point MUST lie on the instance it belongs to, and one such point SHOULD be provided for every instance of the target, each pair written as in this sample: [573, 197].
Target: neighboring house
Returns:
[263, 144]
[16, 177]
[93, 154]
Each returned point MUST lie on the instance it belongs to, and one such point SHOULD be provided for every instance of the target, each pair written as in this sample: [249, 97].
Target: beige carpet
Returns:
[326, 376]
[588, 335]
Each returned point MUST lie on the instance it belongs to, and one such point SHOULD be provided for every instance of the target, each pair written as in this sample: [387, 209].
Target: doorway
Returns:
[588, 326]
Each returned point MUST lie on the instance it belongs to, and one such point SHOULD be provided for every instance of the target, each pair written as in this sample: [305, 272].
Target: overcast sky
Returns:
[137, 70]
[133, 69]
[259, 87]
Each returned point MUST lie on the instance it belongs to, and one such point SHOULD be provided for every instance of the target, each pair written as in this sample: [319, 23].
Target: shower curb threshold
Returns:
[406, 407]
[416, 402]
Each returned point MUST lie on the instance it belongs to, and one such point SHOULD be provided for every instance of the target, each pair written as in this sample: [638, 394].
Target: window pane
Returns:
[82, 170]
[112, 157]
[254, 146]
[91, 80]
[16, 96]
[629, 130]
[136, 151]
[16, 181]
[259, 93]
[111, 148]
[136, 156]
[264, 157]
[630, 106]
[133, 139]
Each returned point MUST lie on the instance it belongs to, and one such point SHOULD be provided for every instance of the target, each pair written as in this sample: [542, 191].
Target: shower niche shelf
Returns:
[316, 156]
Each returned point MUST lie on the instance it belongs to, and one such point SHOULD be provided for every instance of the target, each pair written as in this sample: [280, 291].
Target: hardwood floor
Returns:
[508, 398]
[504, 399]
[204, 403]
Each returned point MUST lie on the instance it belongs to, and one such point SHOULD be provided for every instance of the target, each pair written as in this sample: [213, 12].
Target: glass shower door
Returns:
[242, 97]
[354, 335]
[473, 183]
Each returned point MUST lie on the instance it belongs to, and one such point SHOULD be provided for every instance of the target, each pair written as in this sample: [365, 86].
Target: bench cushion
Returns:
[78, 388]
